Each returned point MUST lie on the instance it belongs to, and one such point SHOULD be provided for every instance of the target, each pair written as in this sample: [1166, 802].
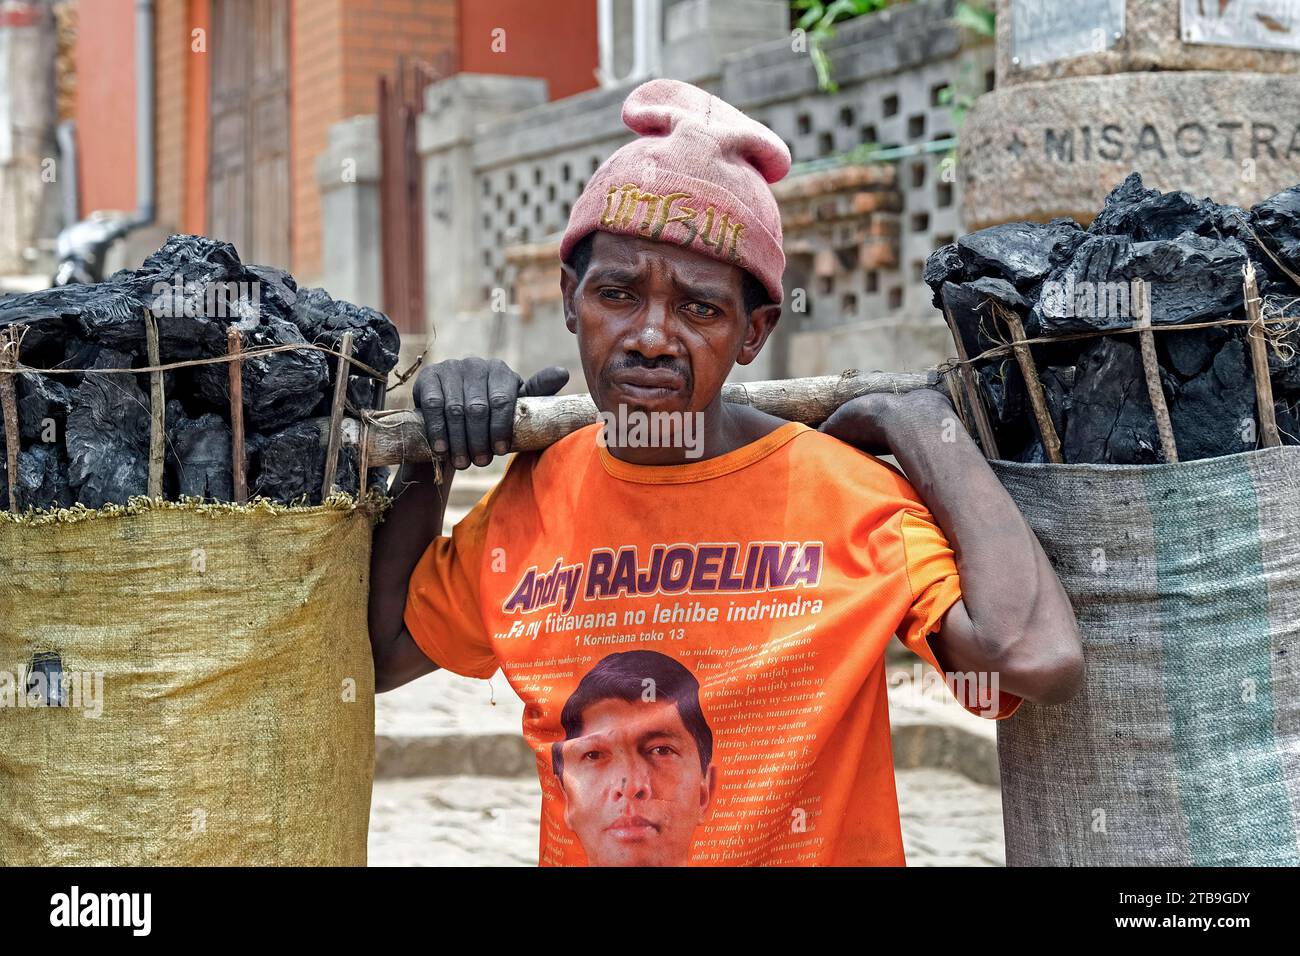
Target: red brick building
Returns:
[246, 91]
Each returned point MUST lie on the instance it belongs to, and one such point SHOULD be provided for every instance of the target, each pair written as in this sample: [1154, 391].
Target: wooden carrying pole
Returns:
[398, 436]
[1269, 437]
[1151, 370]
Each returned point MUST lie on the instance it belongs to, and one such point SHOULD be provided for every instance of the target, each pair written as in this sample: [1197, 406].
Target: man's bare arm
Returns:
[414, 520]
[468, 406]
[1014, 618]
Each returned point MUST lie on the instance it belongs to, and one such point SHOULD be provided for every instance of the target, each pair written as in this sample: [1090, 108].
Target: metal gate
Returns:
[401, 100]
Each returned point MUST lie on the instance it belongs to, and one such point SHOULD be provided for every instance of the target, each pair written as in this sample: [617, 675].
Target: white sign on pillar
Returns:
[1044, 31]
[1257, 24]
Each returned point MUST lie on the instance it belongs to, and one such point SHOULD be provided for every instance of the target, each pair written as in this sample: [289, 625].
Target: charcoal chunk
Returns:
[114, 315]
[1143, 214]
[279, 388]
[1023, 253]
[1110, 418]
[323, 321]
[1287, 416]
[41, 479]
[292, 465]
[198, 459]
[1214, 413]
[1058, 387]
[1190, 353]
[108, 435]
[1190, 279]
[1277, 222]
[277, 290]
[42, 401]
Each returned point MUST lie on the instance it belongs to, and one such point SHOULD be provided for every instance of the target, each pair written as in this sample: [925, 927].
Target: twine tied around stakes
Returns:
[1267, 330]
[11, 337]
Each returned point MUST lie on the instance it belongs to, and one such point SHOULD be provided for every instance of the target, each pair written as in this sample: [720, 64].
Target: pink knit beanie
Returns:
[697, 175]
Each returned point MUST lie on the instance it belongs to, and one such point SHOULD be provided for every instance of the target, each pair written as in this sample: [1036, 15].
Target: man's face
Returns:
[634, 791]
[659, 327]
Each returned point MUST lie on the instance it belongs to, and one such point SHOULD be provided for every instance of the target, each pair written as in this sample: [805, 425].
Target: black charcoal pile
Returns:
[85, 437]
[1061, 280]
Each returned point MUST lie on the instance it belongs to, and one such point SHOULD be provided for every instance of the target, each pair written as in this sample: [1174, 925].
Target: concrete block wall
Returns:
[502, 167]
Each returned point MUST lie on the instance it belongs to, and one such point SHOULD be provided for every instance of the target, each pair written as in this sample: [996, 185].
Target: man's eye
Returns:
[616, 294]
[592, 755]
[700, 310]
[663, 750]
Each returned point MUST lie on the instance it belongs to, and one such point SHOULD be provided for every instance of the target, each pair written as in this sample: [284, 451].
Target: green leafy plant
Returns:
[979, 18]
[818, 23]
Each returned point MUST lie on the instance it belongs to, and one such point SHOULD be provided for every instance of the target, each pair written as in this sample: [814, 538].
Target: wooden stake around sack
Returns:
[1151, 370]
[336, 416]
[982, 426]
[1047, 430]
[157, 408]
[238, 466]
[9, 341]
[1269, 437]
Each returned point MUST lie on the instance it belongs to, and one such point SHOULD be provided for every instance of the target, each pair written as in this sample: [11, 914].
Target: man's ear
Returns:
[569, 291]
[761, 323]
[708, 790]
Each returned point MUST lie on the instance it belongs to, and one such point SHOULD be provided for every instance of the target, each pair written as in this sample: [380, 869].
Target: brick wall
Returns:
[377, 32]
[339, 50]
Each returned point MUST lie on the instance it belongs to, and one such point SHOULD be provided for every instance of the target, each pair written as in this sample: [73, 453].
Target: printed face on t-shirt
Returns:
[633, 786]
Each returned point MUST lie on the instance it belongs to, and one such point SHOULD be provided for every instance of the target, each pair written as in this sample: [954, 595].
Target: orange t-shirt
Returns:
[699, 647]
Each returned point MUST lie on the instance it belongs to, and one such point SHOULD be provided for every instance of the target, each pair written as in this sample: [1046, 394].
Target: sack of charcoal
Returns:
[185, 673]
[1134, 385]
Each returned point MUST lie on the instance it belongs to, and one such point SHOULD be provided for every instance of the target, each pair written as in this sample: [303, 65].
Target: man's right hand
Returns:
[469, 405]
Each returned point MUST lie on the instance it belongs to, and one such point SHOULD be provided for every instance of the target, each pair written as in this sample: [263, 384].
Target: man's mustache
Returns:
[634, 360]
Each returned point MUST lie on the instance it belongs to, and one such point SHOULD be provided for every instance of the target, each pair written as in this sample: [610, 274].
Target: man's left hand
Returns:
[868, 421]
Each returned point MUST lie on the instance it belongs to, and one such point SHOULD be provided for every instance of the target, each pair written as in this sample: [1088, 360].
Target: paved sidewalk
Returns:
[492, 821]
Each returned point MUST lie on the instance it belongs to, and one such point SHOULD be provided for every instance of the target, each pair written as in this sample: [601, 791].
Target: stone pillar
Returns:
[351, 238]
[699, 33]
[29, 173]
[454, 109]
[1092, 90]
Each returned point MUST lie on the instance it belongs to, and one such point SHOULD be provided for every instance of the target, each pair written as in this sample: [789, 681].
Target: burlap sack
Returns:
[237, 722]
[1184, 746]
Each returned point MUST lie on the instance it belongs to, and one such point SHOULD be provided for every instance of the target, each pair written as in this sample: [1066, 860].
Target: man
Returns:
[773, 561]
[636, 763]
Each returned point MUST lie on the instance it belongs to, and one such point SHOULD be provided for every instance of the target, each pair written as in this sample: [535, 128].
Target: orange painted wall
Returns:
[555, 39]
[105, 108]
[195, 216]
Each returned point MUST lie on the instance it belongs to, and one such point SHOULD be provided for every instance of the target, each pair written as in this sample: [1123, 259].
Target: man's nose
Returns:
[631, 781]
[652, 336]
